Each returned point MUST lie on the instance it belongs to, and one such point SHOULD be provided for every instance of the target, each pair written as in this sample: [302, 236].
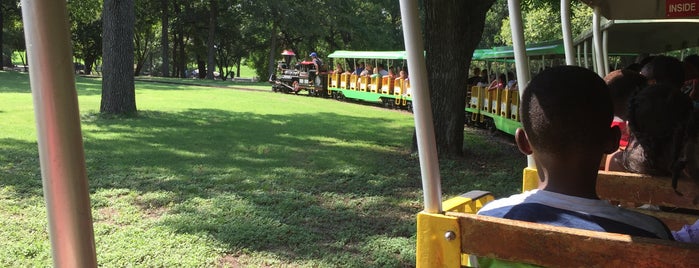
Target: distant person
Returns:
[498, 83]
[566, 129]
[473, 80]
[485, 80]
[338, 69]
[381, 70]
[359, 69]
[511, 81]
[317, 62]
[664, 70]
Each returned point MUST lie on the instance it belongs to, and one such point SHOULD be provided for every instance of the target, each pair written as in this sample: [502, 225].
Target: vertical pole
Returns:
[424, 128]
[597, 42]
[61, 152]
[520, 53]
[585, 52]
[605, 52]
[567, 32]
[577, 48]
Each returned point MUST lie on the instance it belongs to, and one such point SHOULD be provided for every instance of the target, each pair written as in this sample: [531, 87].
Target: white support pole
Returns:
[567, 32]
[605, 53]
[519, 48]
[597, 41]
[61, 154]
[577, 48]
[424, 127]
[585, 52]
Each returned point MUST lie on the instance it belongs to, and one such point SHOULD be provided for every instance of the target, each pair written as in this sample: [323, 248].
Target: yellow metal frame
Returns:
[530, 179]
[438, 235]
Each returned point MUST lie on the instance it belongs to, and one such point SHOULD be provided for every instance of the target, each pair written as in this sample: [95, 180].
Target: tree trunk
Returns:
[452, 30]
[118, 92]
[211, 55]
[164, 41]
[2, 44]
[272, 51]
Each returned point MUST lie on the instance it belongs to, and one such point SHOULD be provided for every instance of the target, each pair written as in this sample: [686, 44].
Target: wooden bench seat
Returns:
[552, 246]
[631, 190]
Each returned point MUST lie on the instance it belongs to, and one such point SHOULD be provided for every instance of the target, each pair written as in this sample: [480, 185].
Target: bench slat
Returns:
[645, 189]
[552, 246]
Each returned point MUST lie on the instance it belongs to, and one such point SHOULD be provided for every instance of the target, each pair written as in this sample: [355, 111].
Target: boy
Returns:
[566, 113]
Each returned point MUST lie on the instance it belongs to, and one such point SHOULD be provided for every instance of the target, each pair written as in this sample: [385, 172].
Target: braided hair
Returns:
[658, 118]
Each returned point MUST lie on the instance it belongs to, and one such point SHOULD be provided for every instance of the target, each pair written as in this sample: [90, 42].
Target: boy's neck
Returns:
[573, 179]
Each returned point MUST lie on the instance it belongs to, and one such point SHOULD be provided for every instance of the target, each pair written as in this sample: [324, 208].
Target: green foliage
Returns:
[240, 179]
[542, 23]
[493, 20]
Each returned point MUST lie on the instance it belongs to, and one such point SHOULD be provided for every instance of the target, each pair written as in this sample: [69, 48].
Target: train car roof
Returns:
[647, 36]
[553, 47]
[645, 9]
[390, 55]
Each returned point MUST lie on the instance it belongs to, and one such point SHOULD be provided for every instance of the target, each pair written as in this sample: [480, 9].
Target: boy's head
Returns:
[623, 84]
[566, 111]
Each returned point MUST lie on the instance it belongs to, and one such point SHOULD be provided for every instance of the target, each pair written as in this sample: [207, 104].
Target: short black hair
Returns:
[566, 109]
[665, 69]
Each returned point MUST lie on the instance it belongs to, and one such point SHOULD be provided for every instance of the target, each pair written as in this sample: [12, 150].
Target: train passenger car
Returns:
[498, 108]
[391, 91]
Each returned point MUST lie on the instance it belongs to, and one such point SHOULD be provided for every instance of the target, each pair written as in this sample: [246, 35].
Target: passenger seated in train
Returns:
[391, 73]
[473, 80]
[381, 70]
[691, 86]
[484, 82]
[338, 69]
[566, 128]
[658, 116]
[511, 82]
[664, 69]
[498, 83]
[359, 68]
[623, 84]
[367, 71]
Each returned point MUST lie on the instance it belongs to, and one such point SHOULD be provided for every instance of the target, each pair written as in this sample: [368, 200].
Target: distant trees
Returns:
[12, 34]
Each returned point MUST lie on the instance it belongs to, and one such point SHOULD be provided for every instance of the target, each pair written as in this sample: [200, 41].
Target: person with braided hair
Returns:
[657, 119]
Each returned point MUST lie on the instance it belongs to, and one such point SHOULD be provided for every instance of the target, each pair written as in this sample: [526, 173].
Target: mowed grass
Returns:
[216, 177]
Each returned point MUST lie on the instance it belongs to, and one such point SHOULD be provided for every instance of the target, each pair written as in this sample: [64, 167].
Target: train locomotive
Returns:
[298, 78]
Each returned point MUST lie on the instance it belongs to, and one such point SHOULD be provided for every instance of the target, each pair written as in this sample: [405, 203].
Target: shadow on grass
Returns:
[314, 187]
[14, 82]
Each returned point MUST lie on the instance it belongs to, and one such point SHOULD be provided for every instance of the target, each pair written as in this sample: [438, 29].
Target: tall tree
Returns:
[118, 92]
[11, 30]
[145, 29]
[164, 41]
[211, 50]
[86, 31]
[452, 30]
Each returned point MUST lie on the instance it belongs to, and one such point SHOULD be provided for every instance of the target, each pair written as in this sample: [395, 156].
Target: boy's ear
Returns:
[612, 143]
[523, 141]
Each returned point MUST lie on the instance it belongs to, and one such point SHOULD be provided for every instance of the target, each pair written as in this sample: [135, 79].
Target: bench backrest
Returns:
[552, 246]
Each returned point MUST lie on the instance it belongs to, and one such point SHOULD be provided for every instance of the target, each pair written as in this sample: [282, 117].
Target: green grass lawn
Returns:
[218, 177]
